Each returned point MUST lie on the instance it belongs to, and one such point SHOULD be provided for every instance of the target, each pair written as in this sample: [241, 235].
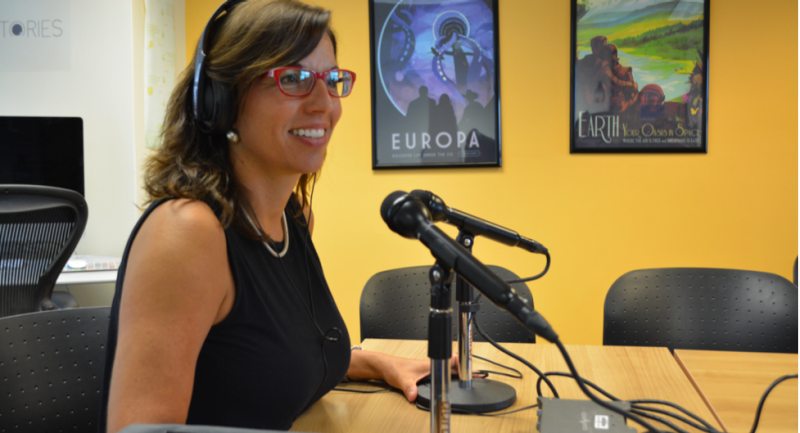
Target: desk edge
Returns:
[699, 390]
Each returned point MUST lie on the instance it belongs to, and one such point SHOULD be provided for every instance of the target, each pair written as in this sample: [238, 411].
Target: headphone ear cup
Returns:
[208, 113]
[227, 108]
[216, 115]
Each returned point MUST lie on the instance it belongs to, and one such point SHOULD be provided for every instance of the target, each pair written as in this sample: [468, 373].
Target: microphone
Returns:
[474, 225]
[408, 216]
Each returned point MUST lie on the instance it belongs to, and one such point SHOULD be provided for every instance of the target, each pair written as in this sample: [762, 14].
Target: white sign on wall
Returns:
[159, 65]
[34, 35]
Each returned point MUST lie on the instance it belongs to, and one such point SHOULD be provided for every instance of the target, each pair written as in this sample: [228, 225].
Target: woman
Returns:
[222, 315]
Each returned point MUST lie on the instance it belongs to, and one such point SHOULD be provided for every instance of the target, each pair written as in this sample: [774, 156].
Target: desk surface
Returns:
[87, 277]
[626, 372]
[96, 269]
[733, 389]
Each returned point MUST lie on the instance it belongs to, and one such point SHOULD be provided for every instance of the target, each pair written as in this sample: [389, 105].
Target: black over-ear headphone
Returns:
[213, 105]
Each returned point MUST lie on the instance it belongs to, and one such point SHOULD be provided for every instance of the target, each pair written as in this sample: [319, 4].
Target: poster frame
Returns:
[643, 148]
[375, 88]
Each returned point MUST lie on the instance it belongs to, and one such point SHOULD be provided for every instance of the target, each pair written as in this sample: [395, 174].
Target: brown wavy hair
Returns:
[249, 40]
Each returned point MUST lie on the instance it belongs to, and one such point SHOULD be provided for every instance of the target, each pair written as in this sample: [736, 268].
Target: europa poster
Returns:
[639, 75]
[434, 83]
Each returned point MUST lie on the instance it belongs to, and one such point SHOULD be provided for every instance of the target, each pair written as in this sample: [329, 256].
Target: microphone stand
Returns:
[440, 348]
[471, 395]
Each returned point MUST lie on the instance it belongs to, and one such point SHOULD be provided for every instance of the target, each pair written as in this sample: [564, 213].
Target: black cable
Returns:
[706, 428]
[672, 405]
[305, 248]
[469, 412]
[513, 355]
[764, 398]
[535, 277]
[664, 421]
[361, 391]
[310, 311]
[483, 374]
[594, 398]
[586, 381]
[519, 373]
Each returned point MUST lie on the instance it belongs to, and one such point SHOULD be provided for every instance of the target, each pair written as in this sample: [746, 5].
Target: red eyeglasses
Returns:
[296, 81]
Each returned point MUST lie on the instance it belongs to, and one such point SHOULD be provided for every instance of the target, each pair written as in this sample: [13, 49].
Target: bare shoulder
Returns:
[177, 285]
[180, 248]
[185, 215]
[182, 226]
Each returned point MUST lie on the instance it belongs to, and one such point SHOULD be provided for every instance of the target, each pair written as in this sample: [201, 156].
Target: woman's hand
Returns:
[400, 373]
[404, 374]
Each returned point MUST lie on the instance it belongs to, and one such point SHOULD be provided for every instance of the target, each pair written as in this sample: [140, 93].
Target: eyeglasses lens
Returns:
[339, 83]
[296, 81]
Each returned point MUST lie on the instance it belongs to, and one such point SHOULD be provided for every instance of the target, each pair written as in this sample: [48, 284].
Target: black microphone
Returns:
[408, 216]
[474, 225]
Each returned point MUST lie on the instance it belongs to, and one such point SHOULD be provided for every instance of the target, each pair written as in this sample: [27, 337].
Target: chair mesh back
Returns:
[395, 304]
[39, 228]
[29, 243]
[703, 309]
[51, 370]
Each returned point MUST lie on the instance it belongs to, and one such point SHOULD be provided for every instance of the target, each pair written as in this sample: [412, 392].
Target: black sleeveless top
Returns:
[265, 363]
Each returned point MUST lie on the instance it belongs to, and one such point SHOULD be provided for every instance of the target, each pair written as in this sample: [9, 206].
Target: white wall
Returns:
[138, 79]
[98, 87]
[104, 86]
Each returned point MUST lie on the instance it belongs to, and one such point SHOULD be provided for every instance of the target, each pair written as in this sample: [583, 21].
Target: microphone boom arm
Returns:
[474, 225]
[484, 280]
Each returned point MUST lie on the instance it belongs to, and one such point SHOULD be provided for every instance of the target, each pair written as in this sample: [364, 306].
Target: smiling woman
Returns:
[244, 45]
[273, 145]
[217, 317]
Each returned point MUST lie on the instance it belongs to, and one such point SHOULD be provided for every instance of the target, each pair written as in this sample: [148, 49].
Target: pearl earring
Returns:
[232, 136]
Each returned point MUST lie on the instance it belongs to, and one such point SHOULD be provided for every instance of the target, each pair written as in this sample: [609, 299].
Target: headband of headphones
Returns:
[210, 100]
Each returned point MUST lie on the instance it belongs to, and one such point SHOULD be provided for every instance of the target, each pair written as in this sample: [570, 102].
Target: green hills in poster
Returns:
[654, 31]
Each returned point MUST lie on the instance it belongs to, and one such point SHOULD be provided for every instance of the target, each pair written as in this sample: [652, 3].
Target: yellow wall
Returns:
[599, 215]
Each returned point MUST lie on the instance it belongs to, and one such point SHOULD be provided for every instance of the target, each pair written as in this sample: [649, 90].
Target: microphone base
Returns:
[484, 396]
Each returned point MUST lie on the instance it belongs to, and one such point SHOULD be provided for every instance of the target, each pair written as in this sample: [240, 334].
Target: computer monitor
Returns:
[42, 151]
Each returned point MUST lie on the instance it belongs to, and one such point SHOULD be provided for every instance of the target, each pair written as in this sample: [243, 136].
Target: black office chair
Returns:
[704, 309]
[794, 273]
[51, 368]
[395, 304]
[39, 229]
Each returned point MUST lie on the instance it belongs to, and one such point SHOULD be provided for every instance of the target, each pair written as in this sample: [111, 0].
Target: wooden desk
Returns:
[90, 277]
[98, 269]
[626, 372]
[732, 384]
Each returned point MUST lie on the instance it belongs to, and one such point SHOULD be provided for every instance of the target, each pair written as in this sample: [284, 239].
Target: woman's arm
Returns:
[177, 285]
[400, 373]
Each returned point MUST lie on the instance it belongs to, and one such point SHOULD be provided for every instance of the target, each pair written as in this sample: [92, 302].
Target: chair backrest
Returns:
[703, 309]
[395, 304]
[51, 370]
[39, 228]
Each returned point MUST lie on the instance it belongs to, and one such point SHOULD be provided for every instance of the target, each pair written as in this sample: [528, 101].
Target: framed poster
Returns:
[639, 76]
[435, 91]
